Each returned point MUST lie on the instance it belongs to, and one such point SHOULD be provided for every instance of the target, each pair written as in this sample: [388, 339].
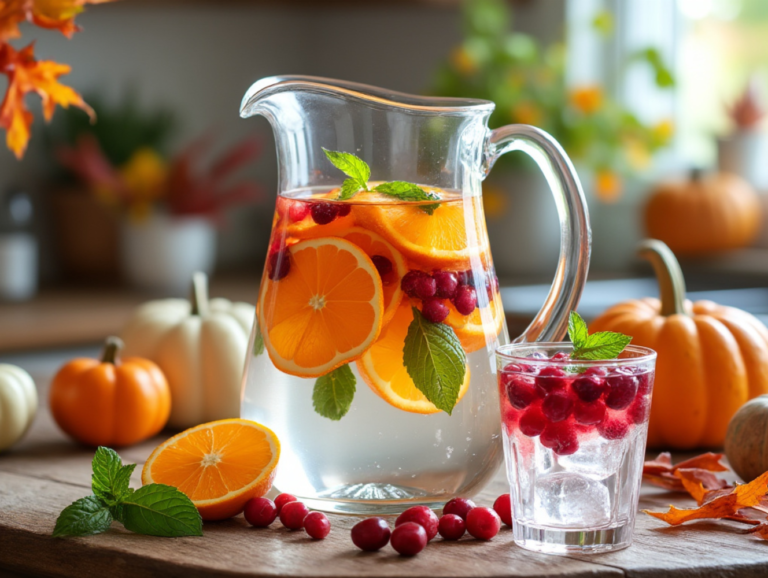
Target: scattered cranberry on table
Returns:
[483, 523]
[503, 507]
[459, 507]
[260, 512]
[409, 538]
[451, 526]
[283, 499]
[371, 534]
[292, 515]
[316, 524]
[421, 515]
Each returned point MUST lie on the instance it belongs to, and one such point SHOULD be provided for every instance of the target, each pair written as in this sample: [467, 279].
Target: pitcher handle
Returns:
[551, 322]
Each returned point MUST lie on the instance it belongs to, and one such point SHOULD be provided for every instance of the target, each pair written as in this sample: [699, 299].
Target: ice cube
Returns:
[568, 500]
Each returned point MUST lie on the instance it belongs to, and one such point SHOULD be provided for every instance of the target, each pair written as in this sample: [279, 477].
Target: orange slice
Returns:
[439, 240]
[381, 367]
[479, 328]
[219, 465]
[374, 244]
[327, 311]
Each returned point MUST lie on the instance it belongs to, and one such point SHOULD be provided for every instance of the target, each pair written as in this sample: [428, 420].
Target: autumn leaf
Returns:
[54, 14]
[25, 75]
[700, 483]
[660, 471]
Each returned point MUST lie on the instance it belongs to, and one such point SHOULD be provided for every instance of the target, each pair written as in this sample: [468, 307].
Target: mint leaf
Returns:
[110, 477]
[258, 340]
[409, 192]
[349, 189]
[334, 392]
[160, 510]
[435, 361]
[85, 517]
[355, 168]
[577, 330]
[602, 345]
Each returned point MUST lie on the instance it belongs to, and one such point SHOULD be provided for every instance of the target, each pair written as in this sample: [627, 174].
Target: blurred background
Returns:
[654, 100]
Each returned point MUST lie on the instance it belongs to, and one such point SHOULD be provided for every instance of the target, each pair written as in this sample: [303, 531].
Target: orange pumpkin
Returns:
[711, 359]
[704, 214]
[108, 402]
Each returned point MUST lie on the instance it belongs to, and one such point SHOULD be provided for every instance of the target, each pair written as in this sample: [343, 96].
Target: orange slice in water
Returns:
[382, 368]
[373, 245]
[479, 327]
[218, 465]
[325, 312]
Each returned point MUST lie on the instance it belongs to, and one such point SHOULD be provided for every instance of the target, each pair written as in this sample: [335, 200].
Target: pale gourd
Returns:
[18, 404]
[200, 346]
[746, 443]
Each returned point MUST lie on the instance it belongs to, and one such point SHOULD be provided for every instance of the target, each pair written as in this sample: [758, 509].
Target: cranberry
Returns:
[371, 534]
[283, 499]
[465, 299]
[551, 378]
[260, 512]
[423, 516]
[493, 285]
[613, 428]
[588, 387]
[451, 526]
[409, 539]
[466, 278]
[282, 206]
[560, 438]
[343, 210]
[644, 383]
[459, 506]
[589, 413]
[638, 411]
[621, 391]
[483, 523]
[418, 284]
[533, 422]
[503, 507]
[446, 282]
[323, 213]
[560, 356]
[279, 265]
[298, 211]
[317, 525]
[557, 406]
[292, 515]
[596, 371]
[382, 264]
[521, 390]
[434, 309]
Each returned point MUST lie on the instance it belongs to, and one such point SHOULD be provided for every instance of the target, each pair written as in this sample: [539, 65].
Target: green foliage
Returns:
[334, 392]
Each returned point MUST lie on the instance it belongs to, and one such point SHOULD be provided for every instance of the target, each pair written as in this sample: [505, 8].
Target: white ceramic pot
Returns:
[744, 153]
[159, 254]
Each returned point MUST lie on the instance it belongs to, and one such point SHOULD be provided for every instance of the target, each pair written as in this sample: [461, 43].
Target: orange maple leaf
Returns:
[55, 14]
[25, 75]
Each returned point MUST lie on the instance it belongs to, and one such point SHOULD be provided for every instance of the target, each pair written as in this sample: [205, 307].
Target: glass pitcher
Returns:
[372, 354]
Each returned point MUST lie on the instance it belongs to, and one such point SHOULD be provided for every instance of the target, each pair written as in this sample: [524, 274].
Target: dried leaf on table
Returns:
[660, 471]
[700, 483]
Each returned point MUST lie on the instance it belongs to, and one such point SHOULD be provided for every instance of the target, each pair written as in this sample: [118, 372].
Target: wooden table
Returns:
[46, 472]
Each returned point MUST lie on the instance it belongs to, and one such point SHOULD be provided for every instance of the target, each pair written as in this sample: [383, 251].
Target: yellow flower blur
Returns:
[526, 112]
[587, 99]
[608, 186]
[463, 62]
[145, 176]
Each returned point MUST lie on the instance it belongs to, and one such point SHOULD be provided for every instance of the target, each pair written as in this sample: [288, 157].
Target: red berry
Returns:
[423, 516]
[466, 277]
[589, 413]
[279, 265]
[557, 406]
[382, 264]
[613, 428]
[483, 523]
[324, 213]
[343, 210]
[409, 539]
[596, 371]
[521, 390]
[446, 283]
[434, 309]
[465, 299]
[418, 284]
[459, 507]
[503, 507]
[621, 390]
[588, 387]
[551, 378]
[371, 534]
[283, 499]
[560, 438]
[292, 515]
[560, 356]
[260, 512]
[298, 211]
[644, 383]
[282, 206]
[451, 526]
[638, 411]
[317, 525]
[533, 422]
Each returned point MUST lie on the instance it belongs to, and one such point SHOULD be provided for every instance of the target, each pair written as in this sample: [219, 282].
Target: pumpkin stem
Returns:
[112, 347]
[668, 274]
[199, 295]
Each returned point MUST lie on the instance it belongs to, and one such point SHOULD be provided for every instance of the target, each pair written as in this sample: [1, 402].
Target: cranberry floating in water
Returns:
[371, 534]
[279, 265]
[382, 264]
[521, 391]
[597, 371]
[423, 516]
[451, 526]
[560, 356]
[446, 283]
[418, 284]
[638, 411]
[503, 507]
[588, 387]
[621, 390]
[459, 507]
[316, 524]
[613, 428]
[483, 523]
[298, 211]
[434, 310]
[260, 512]
[644, 383]
[557, 406]
[344, 210]
[589, 413]
[551, 378]
[560, 438]
[323, 213]
[465, 299]
[533, 422]
[409, 538]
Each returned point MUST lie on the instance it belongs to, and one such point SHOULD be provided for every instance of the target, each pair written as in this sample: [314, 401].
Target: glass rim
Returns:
[506, 352]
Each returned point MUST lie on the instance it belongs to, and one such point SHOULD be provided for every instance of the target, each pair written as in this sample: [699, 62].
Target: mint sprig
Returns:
[154, 509]
[334, 392]
[435, 360]
[598, 346]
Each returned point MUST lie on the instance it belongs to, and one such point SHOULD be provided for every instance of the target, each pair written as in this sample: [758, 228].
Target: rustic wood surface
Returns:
[46, 472]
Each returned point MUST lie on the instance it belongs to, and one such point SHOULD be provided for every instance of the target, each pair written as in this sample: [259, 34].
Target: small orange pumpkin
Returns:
[704, 214]
[711, 358]
[108, 402]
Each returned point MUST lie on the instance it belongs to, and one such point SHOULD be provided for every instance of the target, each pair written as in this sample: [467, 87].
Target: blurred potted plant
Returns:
[527, 82]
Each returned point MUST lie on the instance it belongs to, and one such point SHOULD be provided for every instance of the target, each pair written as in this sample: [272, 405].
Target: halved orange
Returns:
[327, 311]
[374, 244]
[218, 465]
[382, 367]
[479, 327]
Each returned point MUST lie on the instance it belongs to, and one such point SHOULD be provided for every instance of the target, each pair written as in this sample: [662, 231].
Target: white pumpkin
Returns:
[18, 404]
[200, 346]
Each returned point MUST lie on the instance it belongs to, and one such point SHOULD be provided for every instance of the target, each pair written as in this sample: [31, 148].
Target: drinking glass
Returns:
[574, 440]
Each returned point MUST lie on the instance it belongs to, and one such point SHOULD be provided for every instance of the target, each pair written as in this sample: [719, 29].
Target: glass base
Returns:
[371, 499]
[565, 541]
